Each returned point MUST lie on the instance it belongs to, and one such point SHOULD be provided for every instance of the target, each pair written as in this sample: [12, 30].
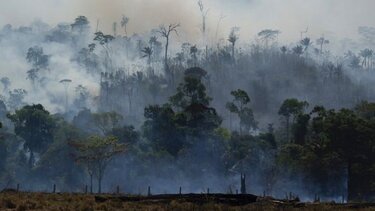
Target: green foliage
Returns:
[292, 108]
[192, 91]
[161, 130]
[67, 174]
[3, 153]
[35, 125]
[126, 134]
[96, 152]
[194, 121]
[107, 121]
[338, 141]
[300, 128]
[366, 110]
[240, 106]
[103, 39]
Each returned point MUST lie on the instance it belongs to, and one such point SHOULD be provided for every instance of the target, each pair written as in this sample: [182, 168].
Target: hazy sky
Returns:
[339, 18]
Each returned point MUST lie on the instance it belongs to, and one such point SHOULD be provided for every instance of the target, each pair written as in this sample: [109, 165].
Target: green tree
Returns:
[3, 151]
[161, 130]
[366, 110]
[300, 128]
[268, 35]
[107, 121]
[351, 138]
[240, 106]
[126, 134]
[291, 108]
[193, 106]
[191, 91]
[306, 43]
[192, 122]
[35, 125]
[81, 24]
[95, 153]
[56, 163]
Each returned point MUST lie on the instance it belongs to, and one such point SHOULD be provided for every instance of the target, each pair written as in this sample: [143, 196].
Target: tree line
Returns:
[331, 150]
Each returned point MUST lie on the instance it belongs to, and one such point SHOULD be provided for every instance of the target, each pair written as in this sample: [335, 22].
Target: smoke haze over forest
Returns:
[281, 90]
[336, 18]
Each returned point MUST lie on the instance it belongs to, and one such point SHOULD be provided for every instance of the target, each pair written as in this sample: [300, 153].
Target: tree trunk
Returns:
[233, 52]
[90, 183]
[287, 129]
[321, 48]
[100, 184]
[350, 190]
[166, 54]
[130, 103]
[31, 159]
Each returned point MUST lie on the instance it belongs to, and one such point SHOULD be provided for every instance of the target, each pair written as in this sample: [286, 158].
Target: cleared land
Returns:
[71, 201]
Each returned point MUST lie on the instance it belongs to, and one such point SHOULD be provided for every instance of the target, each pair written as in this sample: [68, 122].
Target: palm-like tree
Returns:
[152, 41]
[147, 52]
[298, 50]
[322, 41]
[166, 32]
[233, 37]
[367, 55]
[124, 23]
[306, 43]
[193, 52]
[284, 49]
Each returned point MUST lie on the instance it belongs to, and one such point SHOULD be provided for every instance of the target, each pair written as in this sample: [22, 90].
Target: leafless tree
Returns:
[166, 32]
[204, 13]
[218, 24]
[233, 37]
[66, 83]
[124, 23]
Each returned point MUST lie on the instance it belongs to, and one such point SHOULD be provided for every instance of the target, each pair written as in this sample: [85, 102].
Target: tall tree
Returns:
[298, 50]
[291, 108]
[124, 23]
[367, 55]
[191, 91]
[104, 40]
[65, 83]
[166, 32]
[321, 42]
[233, 37]
[268, 35]
[107, 121]
[204, 16]
[35, 125]
[306, 43]
[96, 153]
[193, 52]
[147, 53]
[81, 24]
[240, 106]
